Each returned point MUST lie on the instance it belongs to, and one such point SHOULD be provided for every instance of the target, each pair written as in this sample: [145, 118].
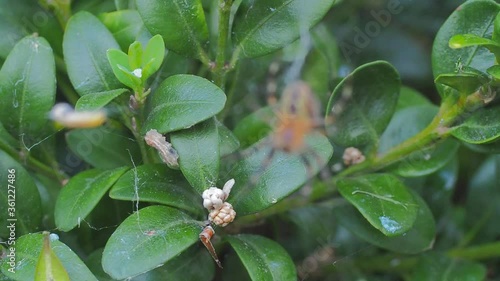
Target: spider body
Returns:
[298, 115]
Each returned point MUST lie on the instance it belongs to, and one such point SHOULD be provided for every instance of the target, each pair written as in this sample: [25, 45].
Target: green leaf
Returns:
[438, 188]
[147, 239]
[254, 127]
[96, 101]
[185, 32]
[158, 184]
[135, 55]
[262, 27]
[119, 62]
[467, 40]
[125, 25]
[174, 269]
[10, 33]
[81, 194]
[366, 112]
[472, 17]
[198, 149]
[6, 139]
[494, 71]
[316, 221]
[228, 142]
[383, 200]
[409, 97]
[435, 266]
[261, 182]
[405, 124]
[153, 56]
[487, 148]
[28, 249]
[418, 239]
[104, 147]
[86, 41]
[464, 83]
[482, 195]
[19, 191]
[182, 101]
[481, 127]
[28, 88]
[263, 258]
[49, 267]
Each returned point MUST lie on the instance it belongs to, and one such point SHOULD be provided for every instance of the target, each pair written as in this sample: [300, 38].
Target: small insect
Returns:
[205, 237]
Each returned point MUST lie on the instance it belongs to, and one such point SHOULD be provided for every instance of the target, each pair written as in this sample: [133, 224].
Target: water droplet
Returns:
[53, 237]
[389, 224]
[274, 200]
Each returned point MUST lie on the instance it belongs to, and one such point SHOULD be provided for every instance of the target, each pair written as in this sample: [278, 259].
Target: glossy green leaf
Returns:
[496, 29]
[97, 100]
[383, 200]
[104, 147]
[472, 17]
[182, 101]
[405, 124]
[418, 239]
[483, 191]
[10, 34]
[86, 41]
[81, 194]
[147, 239]
[365, 112]
[49, 267]
[426, 160]
[481, 127]
[254, 127]
[185, 32]
[196, 257]
[464, 83]
[28, 248]
[120, 65]
[436, 266]
[409, 97]
[228, 142]
[438, 188]
[19, 192]
[467, 40]
[488, 148]
[28, 88]
[262, 27]
[494, 71]
[263, 258]
[23, 18]
[6, 139]
[159, 184]
[135, 55]
[316, 221]
[198, 149]
[261, 182]
[153, 56]
[125, 25]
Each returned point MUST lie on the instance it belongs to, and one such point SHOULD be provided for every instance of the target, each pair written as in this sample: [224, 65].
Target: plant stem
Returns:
[480, 252]
[450, 111]
[34, 164]
[220, 69]
[136, 128]
[399, 263]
